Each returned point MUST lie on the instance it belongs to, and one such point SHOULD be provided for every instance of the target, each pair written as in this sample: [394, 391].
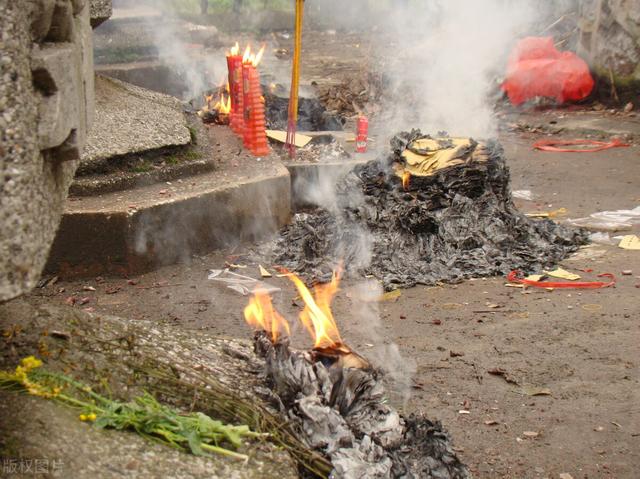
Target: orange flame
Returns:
[406, 179]
[317, 316]
[224, 104]
[261, 315]
[251, 58]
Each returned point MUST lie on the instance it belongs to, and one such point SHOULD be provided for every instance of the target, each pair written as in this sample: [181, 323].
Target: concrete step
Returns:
[139, 229]
[243, 199]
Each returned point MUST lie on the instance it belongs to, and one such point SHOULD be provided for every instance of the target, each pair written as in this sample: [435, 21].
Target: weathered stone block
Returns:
[46, 104]
[100, 11]
[60, 106]
[62, 22]
[41, 15]
[610, 35]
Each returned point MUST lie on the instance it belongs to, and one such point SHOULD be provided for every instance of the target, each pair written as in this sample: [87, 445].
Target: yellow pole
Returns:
[295, 82]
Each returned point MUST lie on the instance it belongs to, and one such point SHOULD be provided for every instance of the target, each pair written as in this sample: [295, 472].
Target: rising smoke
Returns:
[444, 59]
[453, 53]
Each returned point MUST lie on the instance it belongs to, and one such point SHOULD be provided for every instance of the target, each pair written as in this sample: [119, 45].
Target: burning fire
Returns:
[406, 180]
[261, 314]
[317, 316]
[221, 107]
[251, 58]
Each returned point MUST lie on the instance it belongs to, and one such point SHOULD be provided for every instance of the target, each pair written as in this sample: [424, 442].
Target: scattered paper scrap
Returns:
[563, 273]
[592, 307]
[464, 411]
[281, 136]
[523, 194]
[535, 391]
[234, 265]
[390, 295]
[263, 272]
[547, 214]
[534, 277]
[629, 242]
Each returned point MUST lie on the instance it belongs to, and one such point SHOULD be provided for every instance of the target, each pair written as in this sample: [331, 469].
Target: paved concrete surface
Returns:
[244, 199]
[130, 119]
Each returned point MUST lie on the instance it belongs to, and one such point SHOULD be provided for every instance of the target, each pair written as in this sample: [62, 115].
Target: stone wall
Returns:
[46, 108]
[610, 36]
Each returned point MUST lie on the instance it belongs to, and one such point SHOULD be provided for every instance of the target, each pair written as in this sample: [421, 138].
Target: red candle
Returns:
[254, 136]
[234, 65]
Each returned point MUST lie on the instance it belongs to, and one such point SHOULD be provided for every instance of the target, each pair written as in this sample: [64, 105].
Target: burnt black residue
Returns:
[459, 223]
[312, 116]
[343, 414]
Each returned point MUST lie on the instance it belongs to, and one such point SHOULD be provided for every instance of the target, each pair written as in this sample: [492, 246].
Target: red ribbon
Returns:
[513, 277]
[553, 145]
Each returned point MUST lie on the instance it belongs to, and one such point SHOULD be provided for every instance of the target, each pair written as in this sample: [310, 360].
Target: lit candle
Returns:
[254, 135]
[234, 65]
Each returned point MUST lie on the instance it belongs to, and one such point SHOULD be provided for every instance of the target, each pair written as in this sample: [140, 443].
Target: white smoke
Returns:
[385, 354]
[451, 54]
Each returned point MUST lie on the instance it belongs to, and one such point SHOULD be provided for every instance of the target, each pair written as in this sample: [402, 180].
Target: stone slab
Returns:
[130, 119]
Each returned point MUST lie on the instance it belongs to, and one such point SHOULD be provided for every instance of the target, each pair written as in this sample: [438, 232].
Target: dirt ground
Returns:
[568, 399]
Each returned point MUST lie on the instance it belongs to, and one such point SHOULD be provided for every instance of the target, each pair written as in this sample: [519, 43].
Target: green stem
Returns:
[76, 402]
[224, 452]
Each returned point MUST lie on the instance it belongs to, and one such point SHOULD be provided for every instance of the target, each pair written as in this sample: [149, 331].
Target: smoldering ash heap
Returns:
[436, 209]
[335, 400]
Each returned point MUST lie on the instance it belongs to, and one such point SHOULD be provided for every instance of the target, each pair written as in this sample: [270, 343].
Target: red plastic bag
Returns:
[537, 68]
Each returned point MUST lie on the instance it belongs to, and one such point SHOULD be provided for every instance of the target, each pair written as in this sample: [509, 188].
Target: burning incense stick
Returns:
[295, 81]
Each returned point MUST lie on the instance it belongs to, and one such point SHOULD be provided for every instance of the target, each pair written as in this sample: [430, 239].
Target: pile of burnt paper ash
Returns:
[437, 209]
[335, 400]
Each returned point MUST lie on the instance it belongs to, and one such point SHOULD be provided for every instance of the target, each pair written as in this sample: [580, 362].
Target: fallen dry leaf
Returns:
[491, 422]
[566, 475]
[88, 288]
[530, 434]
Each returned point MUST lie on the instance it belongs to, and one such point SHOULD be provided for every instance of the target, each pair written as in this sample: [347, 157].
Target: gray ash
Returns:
[343, 413]
[458, 223]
